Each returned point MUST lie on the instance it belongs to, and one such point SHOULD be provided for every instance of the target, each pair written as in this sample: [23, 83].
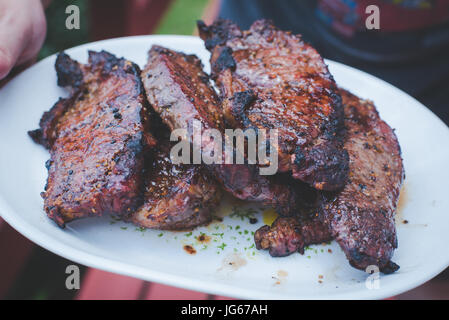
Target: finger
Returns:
[12, 36]
[6, 62]
[21, 33]
[36, 36]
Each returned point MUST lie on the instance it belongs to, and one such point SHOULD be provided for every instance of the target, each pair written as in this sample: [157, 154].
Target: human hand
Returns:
[22, 32]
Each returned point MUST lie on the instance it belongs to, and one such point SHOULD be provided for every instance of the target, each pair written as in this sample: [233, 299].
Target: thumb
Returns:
[20, 34]
[12, 35]
[6, 60]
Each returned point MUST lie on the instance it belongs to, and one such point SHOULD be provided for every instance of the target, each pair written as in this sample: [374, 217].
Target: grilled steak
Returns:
[177, 196]
[96, 137]
[180, 91]
[271, 79]
[361, 216]
[289, 235]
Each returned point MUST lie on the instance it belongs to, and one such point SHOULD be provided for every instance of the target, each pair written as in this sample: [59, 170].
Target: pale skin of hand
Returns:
[22, 32]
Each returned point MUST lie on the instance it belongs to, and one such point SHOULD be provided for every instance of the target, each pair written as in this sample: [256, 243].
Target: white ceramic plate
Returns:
[159, 256]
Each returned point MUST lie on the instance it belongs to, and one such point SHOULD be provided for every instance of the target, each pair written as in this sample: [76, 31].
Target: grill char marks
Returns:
[361, 216]
[177, 197]
[97, 138]
[294, 93]
[289, 235]
[180, 92]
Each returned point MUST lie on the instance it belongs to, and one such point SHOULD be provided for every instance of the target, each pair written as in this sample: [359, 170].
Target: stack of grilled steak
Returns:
[287, 86]
[108, 154]
[340, 169]
[97, 139]
[361, 215]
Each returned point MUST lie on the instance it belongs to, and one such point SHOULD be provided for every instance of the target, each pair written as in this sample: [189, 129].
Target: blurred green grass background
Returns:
[58, 37]
[180, 18]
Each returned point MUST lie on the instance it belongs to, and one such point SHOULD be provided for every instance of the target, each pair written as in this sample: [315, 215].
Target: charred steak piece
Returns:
[361, 216]
[289, 235]
[96, 139]
[271, 79]
[180, 91]
[177, 196]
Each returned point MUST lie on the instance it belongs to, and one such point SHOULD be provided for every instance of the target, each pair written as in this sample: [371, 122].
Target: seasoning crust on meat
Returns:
[271, 79]
[361, 216]
[180, 91]
[288, 235]
[177, 196]
[96, 137]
